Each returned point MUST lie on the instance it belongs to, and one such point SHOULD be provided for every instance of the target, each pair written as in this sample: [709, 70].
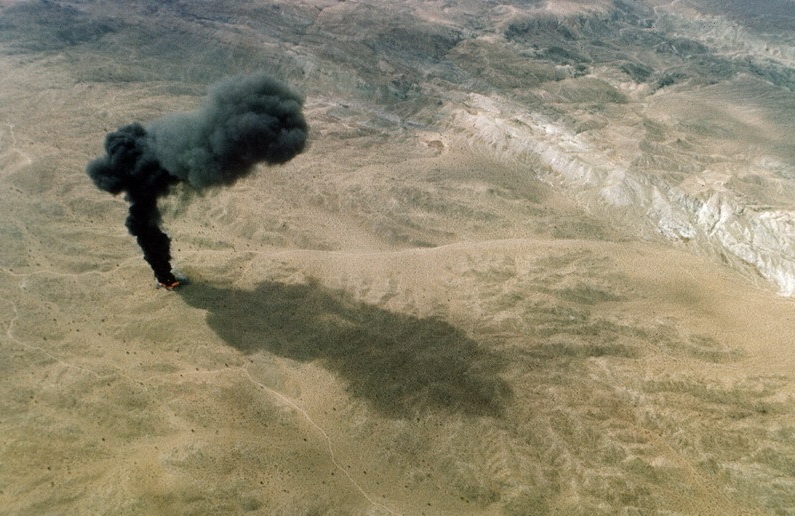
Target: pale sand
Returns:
[514, 373]
[400, 324]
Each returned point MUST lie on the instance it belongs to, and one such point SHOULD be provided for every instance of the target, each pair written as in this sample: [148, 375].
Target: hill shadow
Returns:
[398, 363]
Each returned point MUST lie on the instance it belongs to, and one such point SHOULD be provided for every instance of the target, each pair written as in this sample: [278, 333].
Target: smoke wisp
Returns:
[244, 120]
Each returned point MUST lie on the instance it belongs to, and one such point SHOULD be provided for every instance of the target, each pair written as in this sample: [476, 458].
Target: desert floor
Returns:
[405, 319]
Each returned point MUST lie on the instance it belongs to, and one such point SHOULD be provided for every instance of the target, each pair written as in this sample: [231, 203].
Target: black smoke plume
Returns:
[244, 120]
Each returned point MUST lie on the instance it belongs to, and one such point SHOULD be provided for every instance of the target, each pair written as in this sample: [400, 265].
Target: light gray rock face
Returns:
[677, 117]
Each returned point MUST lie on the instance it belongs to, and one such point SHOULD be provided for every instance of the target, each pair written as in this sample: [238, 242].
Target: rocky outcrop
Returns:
[716, 223]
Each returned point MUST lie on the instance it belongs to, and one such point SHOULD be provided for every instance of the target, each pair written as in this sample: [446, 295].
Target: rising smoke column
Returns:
[244, 120]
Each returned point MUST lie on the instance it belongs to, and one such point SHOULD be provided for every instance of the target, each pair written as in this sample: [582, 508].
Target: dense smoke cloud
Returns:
[245, 120]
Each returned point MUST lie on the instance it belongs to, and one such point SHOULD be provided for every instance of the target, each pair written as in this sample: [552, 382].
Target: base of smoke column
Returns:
[172, 284]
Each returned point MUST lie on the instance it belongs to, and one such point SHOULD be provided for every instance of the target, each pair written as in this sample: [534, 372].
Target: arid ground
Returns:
[537, 258]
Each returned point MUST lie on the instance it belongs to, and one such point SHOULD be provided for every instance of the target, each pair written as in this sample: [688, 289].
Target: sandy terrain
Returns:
[446, 305]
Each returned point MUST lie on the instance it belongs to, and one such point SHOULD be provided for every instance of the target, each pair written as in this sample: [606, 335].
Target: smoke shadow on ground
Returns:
[400, 364]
